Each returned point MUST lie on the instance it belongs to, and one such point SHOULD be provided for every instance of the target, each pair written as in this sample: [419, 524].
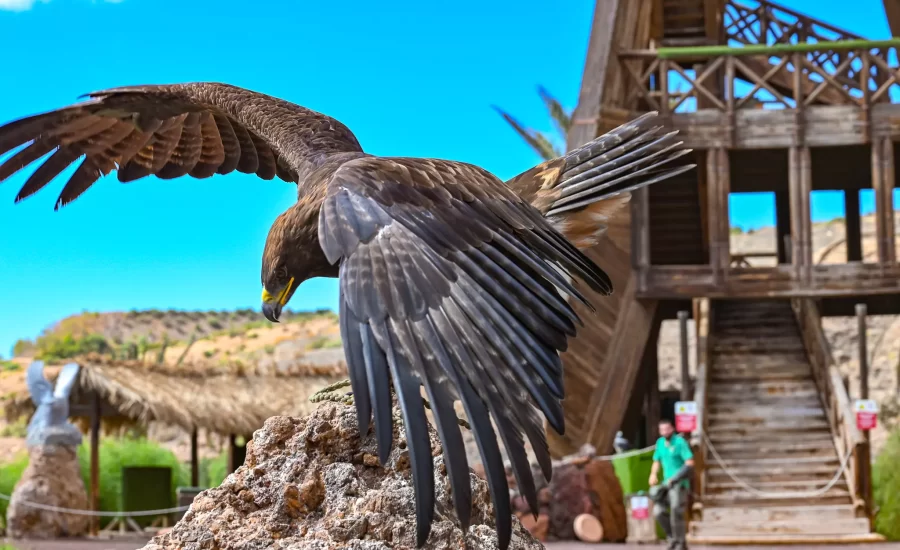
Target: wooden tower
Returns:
[772, 101]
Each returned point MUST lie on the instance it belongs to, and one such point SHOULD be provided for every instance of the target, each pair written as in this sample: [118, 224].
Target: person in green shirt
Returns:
[674, 455]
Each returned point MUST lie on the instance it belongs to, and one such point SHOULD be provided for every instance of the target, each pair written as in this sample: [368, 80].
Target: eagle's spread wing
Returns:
[38, 386]
[449, 279]
[196, 129]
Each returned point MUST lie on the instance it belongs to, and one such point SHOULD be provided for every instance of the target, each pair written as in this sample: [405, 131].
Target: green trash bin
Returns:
[633, 471]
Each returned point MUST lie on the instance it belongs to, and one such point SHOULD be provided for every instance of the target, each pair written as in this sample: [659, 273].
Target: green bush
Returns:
[9, 475]
[886, 485]
[54, 347]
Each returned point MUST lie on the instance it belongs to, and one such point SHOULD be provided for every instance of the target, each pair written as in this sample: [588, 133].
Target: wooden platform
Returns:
[767, 424]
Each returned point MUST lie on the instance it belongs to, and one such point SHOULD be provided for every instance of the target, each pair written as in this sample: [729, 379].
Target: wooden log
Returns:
[783, 225]
[861, 312]
[588, 528]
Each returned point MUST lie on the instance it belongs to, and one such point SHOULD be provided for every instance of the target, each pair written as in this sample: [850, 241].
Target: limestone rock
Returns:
[310, 483]
[52, 478]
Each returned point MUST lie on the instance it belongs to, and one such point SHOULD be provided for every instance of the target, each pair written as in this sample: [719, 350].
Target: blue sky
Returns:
[408, 77]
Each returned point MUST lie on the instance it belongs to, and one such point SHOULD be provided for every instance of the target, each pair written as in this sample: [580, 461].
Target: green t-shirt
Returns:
[672, 455]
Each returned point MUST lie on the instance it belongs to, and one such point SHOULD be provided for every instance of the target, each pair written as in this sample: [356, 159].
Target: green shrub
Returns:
[55, 347]
[886, 485]
[212, 470]
[9, 475]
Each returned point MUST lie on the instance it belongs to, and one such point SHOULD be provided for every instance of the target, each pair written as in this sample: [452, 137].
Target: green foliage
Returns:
[23, 348]
[114, 455]
[54, 347]
[213, 470]
[886, 485]
[548, 147]
[325, 342]
[736, 230]
[9, 366]
[19, 428]
[9, 475]
[118, 453]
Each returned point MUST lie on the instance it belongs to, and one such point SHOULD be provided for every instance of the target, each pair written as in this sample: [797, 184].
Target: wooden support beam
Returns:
[95, 464]
[883, 184]
[861, 312]
[650, 365]
[783, 226]
[800, 187]
[195, 460]
[854, 227]
[686, 389]
[640, 235]
[718, 188]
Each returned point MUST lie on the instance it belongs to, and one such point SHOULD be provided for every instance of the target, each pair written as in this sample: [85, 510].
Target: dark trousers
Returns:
[670, 514]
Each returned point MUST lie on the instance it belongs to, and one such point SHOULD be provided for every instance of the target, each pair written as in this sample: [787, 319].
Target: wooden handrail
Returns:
[692, 52]
[838, 409]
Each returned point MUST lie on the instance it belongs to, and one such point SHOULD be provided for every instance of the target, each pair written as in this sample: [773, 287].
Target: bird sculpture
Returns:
[449, 277]
[50, 422]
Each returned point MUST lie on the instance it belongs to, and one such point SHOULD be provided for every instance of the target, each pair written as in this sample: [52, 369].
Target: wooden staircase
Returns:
[766, 421]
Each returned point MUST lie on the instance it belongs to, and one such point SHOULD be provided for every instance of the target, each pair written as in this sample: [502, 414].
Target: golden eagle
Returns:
[449, 277]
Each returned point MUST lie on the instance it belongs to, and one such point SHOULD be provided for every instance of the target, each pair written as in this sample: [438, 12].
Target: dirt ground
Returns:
[134, 544]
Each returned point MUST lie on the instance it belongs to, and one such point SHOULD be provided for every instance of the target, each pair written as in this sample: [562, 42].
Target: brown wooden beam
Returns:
[640, 235]
[195, 460]
[718, 187]
[800, 186]
[854, 227]
[783, 225]
[95, 464]
[686, 389]
[650, 365]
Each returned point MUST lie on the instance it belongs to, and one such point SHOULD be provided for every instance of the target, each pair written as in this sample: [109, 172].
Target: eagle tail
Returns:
[597, 178]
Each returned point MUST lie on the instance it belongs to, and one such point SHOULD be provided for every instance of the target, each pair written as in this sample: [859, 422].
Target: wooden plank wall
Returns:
[602, 363]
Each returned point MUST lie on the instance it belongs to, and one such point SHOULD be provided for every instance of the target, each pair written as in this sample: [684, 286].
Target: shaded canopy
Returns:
[221, 400]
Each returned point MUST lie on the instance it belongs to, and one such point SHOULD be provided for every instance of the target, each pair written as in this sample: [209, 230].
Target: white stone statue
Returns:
[50, 425]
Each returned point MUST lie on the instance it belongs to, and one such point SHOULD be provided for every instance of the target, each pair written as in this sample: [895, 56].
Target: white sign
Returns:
[866, 405]
[640, 507]
[686, 407]
[685, 416]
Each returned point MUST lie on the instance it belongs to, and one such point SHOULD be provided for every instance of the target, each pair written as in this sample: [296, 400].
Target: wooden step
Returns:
[808, 526]
[752, 412]
[771, 448]
[804, 399]
[780, 426]
[803, 485]
[818, 474]
[779, 513]
[745, 498]
[767, 540]
[823, 436]
[761, 376]
[765, 387]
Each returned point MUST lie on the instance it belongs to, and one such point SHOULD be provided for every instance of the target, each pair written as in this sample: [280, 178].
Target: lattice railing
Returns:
[752, 76]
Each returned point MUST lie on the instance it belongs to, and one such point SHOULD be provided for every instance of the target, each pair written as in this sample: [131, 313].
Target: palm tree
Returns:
[548, 147]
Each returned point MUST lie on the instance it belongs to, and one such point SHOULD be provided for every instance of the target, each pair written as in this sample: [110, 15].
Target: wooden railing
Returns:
[794, 75]
[762, 22]
[703, 319]
[836, 401]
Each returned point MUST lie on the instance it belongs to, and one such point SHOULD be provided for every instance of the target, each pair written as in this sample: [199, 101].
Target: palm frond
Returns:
[537, 141]
[560, 117]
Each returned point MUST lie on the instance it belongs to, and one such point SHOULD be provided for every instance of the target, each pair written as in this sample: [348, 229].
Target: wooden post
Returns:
[783, 224]
[651, 365]
[800, 182]
[95, 463]
[883, 185]
[719, 185]
[861, 311]
[232, 458]
[686, 389]
[854, 229]
[640, 235]
[195, 460]
[862, 453]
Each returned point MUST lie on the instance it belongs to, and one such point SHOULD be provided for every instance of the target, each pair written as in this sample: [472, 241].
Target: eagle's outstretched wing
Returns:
[196, 129]
[449, 279]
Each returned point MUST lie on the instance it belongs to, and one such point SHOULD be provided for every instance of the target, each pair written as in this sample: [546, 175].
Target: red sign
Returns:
[685, 416]
[640, 507]
[866, 414]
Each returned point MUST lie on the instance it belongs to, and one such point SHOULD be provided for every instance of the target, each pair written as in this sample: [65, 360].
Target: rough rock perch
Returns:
[311, 483]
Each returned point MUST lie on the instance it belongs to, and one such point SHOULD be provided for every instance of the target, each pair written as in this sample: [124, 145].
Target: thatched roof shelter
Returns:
[225, 400]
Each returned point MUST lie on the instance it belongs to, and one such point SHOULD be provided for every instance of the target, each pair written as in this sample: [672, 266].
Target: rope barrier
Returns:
[626, 454]
[764, 494]
[80, 512]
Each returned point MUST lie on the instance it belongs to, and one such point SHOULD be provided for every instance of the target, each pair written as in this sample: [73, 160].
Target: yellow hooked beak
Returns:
[272, 304]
